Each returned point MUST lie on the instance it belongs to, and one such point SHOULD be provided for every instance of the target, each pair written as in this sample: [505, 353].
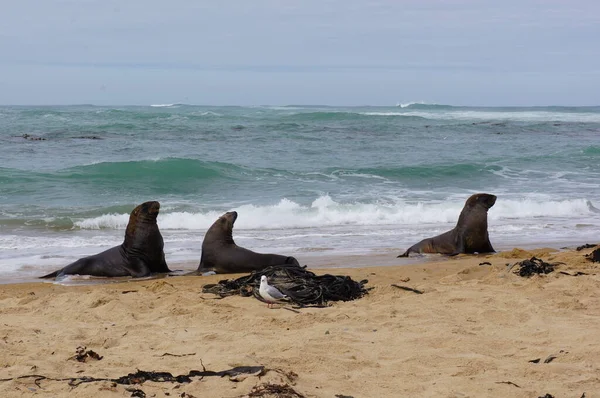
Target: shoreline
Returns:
[317, 260]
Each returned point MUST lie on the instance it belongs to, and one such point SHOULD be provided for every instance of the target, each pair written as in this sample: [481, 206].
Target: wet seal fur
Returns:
[140, 254]
[221, 255]
[470, 234]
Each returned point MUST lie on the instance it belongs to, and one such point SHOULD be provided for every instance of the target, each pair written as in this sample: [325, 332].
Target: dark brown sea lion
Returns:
[221, 255]
[140, 254]
[470, 234]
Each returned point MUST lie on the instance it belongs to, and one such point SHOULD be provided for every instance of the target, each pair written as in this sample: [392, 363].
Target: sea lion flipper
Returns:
[164, 268]
[423, 246]
[51, 275]
[487, 248]
[459, 245]
[137, 268]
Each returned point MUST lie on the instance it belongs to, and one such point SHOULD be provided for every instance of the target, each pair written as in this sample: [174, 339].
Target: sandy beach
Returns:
[474, 332]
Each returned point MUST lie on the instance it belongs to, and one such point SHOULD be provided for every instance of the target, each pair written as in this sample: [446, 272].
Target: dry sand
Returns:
[472, 333]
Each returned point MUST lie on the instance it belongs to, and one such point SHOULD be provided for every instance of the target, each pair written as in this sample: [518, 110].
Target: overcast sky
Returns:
[336, 52]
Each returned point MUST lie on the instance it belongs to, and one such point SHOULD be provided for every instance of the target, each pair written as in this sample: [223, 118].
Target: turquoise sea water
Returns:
[305, 180]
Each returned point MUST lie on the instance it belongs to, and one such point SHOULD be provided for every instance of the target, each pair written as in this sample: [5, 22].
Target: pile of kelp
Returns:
[300, 285]
[533, 266]
[594, 256]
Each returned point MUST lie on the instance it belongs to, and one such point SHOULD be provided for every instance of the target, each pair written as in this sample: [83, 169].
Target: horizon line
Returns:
[397, 105]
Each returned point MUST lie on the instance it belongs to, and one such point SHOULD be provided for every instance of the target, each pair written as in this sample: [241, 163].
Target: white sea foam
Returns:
[16, 242]
[527, 116]
[324, 211]
[279, 108]
[111, 221]
[52, 116]
[37, 255]
[324, 226]
[210, 113]
[484, 115]
[407, 104]
[384, 114]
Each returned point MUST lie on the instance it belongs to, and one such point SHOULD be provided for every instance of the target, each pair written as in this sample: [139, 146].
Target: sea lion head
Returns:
[485, 200]
[222, 229]
[227, 220]
[230, 216]
[475, 210]
[143, 214]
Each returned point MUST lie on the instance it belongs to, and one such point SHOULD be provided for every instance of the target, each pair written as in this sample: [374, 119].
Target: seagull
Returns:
[270, 293]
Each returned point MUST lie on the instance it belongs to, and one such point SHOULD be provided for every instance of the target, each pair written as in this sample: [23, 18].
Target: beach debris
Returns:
[142, 376]
[485, 263]
[410, 289]
[88, 137]
[269, 293]
[82, 354]
[533, 266]
[290, 375]
[405, 279]
[302, 287]
[546, 396]
[277, 390]
[168, 354]
[128, 291]
[550, 358]
[586, 246]
[577, 273]
[31, 137]
[508, 382]
[135, 392]
[343, 396]
[594, 256]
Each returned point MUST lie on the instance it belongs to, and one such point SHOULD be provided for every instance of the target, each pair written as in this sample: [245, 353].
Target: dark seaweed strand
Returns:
[141, 376]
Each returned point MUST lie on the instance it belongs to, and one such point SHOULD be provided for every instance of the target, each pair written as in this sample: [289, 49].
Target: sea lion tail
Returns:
[51, 275]
[405, 254]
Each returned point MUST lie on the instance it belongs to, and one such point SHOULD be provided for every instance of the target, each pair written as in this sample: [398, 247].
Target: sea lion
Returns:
[221, 255]
[140, 254]
[470, 234]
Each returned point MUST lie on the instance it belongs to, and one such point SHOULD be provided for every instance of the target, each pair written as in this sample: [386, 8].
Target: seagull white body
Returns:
[270, 293]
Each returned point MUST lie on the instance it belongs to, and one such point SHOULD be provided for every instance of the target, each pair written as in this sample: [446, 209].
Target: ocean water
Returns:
[307, 181]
